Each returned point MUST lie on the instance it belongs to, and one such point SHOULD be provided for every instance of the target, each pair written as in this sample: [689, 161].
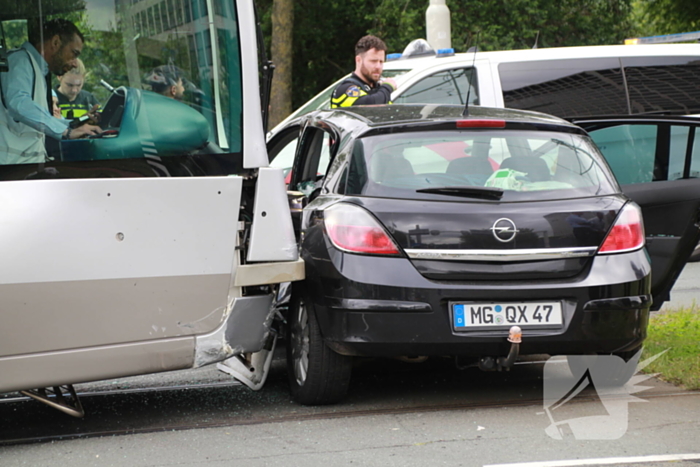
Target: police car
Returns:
[565, 81]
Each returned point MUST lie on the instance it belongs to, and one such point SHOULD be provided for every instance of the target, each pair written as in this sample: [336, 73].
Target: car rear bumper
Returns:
[370, 306]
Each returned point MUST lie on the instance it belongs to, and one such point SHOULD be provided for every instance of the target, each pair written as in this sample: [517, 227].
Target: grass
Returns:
[677, 330]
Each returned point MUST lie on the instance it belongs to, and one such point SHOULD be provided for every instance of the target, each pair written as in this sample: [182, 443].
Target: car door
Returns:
[306, 158]
[657, 163]
[312, 159]
[281, 148]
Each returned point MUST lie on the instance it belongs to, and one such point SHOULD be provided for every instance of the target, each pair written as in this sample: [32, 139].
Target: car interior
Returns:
[538, 162]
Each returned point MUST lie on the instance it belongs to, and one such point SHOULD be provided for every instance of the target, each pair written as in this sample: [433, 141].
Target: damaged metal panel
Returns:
[269, 273]
[252, 371]
[272, 234]
[244, 331]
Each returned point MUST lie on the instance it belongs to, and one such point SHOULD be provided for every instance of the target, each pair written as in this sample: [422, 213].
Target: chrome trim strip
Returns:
[357, 304]
[532, 254]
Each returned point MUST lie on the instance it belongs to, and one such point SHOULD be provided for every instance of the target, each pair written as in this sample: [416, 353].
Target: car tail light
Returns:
[627, 233]
[353, 229]
[481, 123]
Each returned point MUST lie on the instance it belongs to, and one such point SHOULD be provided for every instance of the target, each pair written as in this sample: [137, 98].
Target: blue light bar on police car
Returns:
[680, 37]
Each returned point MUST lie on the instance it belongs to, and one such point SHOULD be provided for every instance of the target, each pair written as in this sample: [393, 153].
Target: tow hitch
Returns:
[515, 337]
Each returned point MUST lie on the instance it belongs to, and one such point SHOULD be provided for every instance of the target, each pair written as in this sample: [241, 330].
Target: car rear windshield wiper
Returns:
[466, 191]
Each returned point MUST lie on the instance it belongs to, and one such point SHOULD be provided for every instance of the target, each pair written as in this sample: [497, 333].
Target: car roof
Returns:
[411, 115]
[554, 53]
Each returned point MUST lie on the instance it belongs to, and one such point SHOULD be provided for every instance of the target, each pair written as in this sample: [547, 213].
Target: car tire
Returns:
[317, 374]
[606, 372]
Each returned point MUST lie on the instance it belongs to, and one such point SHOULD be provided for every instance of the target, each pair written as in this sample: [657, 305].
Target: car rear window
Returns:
[525, 164]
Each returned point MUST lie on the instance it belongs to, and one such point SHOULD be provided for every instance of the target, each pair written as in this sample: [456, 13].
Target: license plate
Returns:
[504, 315]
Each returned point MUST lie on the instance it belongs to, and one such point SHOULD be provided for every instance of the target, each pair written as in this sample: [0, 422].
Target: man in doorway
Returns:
[25, 114]
[365, 86]
[73, 100]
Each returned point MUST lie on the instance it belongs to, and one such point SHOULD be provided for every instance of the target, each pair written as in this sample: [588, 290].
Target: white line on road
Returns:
[604, 461]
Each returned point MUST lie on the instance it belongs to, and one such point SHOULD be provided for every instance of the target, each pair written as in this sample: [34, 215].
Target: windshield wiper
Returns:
[466, 191]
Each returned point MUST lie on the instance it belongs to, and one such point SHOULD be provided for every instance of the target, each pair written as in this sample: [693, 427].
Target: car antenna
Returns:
[537, 39]
[469, 91]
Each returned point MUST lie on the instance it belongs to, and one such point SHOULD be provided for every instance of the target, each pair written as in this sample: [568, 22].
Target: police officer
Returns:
[365, 86]
[73, 100]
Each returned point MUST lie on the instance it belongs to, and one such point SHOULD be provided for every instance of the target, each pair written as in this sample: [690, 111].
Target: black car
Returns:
[430, 233]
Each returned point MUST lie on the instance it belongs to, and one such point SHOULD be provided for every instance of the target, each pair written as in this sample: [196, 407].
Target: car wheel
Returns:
[606, 371]
[317, 374]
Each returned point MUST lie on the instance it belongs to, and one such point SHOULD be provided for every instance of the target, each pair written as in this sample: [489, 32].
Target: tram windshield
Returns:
[159, 78]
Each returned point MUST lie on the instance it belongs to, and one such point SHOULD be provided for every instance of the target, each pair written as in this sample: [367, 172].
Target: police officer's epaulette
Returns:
[361, 84]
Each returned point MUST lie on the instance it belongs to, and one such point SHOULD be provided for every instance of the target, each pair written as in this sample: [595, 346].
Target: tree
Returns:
[668, 16]
[325, 33]
[324, 38]
[282, 56]
[510, 24]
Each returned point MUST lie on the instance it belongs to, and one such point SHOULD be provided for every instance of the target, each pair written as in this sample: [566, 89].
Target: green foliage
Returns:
[511, 24]
[397, 22]
[104, 58]
[325, 32]
[668, 16]
[678, 331]
[15, 33]
[13, 9]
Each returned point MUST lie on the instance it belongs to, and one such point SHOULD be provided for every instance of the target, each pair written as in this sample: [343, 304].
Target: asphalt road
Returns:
[395, 414]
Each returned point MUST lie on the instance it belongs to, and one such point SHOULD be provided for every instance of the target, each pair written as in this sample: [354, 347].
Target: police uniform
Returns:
[354, 91]
[81, 105]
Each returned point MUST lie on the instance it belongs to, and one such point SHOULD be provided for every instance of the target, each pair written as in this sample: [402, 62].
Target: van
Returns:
[564, 81]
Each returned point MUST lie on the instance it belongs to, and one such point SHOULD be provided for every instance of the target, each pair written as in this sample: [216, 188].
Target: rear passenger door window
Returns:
[312, 160]
[644, 152]
[630, 151]
[444, 87]
[657, 162]
[281, 150]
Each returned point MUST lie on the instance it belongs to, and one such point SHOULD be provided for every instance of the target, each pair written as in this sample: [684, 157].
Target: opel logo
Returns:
[504, 230]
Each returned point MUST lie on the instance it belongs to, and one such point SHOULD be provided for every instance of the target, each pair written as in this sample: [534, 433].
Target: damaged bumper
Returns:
[247, 325]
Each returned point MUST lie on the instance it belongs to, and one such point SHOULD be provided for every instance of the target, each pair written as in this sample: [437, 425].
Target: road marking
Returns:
[604, 461]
